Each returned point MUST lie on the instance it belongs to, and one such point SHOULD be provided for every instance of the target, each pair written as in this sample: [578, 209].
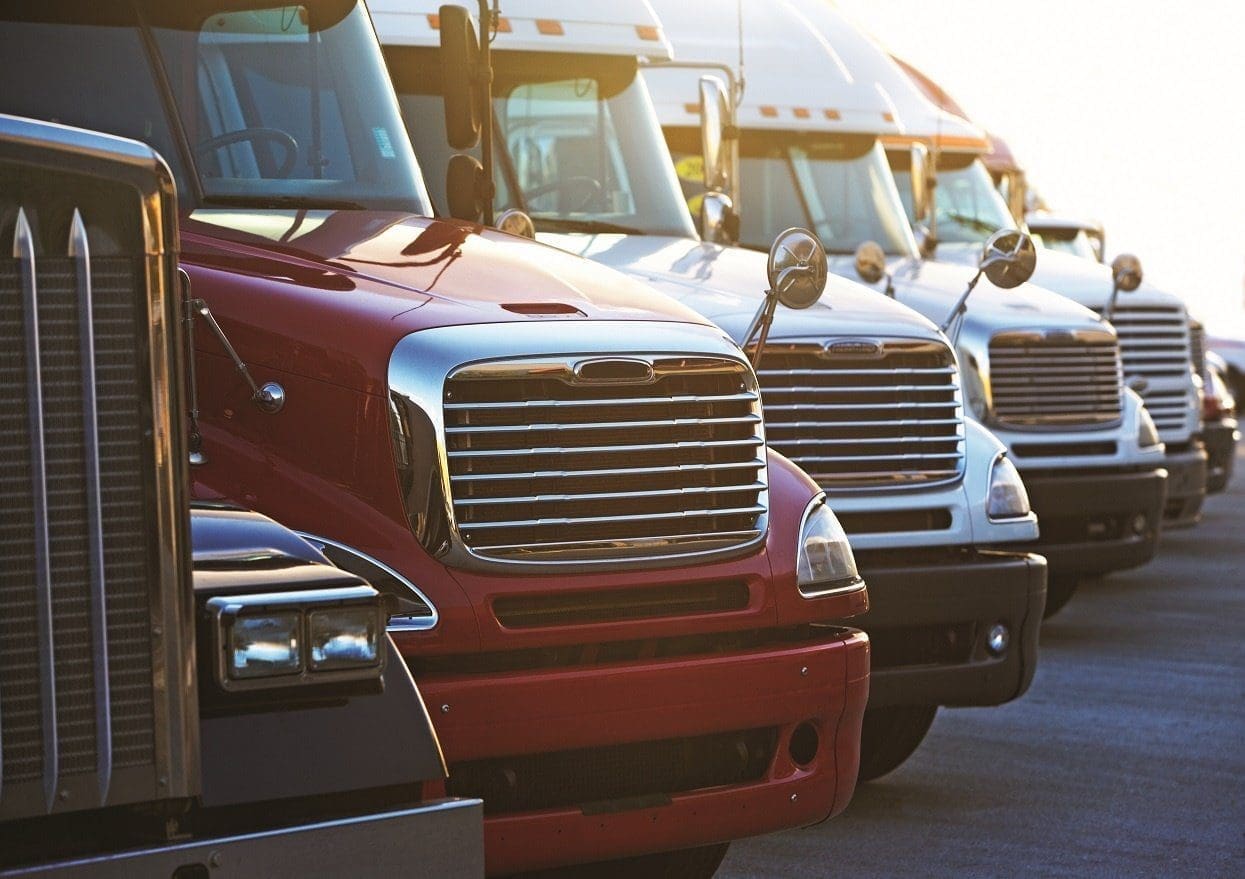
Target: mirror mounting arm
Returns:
[1108, 313]
[959, 310]
[761, 322]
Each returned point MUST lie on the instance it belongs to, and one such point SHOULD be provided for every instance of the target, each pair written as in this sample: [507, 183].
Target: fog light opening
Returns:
[1140, 523]
[997, 639]
[804, 744]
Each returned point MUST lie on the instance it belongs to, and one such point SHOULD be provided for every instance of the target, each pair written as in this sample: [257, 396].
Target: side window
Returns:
[561, 139]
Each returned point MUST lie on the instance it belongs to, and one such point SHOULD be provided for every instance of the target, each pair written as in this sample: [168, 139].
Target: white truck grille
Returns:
[607, 459]
[1045, 379]
[861, 415]
[1155, 343]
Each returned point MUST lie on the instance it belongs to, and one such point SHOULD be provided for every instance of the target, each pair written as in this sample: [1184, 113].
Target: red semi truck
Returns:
[615, 601]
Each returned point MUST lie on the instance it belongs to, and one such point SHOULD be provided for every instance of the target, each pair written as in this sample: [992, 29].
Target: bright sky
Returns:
[1128, 111]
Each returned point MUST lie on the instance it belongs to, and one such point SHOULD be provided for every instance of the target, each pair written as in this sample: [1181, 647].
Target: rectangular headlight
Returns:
[347, 637]
[265, 645]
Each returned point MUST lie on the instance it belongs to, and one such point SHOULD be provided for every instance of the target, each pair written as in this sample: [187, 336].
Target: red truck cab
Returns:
[615, 600]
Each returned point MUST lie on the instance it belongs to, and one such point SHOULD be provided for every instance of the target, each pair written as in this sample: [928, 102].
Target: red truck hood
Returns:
[294, 288]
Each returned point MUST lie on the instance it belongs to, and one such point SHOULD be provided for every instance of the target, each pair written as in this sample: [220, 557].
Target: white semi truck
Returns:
[863, 392]
[1042, 372]
[1153, 325]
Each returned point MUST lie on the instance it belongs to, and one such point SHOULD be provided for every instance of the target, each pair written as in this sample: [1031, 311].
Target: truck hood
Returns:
[1081, 280]
[932, 288]
[727, 284]
[328, 294]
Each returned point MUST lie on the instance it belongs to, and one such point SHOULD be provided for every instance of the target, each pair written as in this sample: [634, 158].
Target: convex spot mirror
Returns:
[714, 113]
[797, 268]
[870, 262]
[515, 222]
[1126, 272]
[1008, 259]
[460, 61]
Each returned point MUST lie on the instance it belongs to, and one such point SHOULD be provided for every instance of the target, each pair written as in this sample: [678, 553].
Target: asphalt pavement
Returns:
[1125, 758]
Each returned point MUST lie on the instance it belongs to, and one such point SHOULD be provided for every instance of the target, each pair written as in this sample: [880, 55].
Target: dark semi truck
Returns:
[183, 692]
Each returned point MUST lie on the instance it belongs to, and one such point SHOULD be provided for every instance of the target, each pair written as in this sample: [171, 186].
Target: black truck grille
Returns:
[76, 700]
[1053, 380]
[548, 467]
[885, 417]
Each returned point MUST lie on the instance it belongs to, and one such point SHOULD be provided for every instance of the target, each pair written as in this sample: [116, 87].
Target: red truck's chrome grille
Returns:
[601, 459]
[886, 417]
[1055, 379]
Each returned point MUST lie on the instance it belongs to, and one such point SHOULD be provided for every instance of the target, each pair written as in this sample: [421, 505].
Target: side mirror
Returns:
[870, 262]
[714, 112]
[797, 271]
[463, 184]
[920, 177]
[460, 60]
[515, 222]
[1008, 259]
[719, 224]
[1125, 278]
[926, 241]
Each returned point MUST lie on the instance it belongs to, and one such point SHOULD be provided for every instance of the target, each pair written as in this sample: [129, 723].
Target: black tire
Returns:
[1059, 591]
[690, 863]
[890, 735]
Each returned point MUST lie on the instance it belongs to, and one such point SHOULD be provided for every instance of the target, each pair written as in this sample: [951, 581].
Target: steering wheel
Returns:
[592, 190]
[254, 135]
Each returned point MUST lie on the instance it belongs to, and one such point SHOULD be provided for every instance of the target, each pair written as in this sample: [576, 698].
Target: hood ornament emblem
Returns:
[852, 348]
[614, 371]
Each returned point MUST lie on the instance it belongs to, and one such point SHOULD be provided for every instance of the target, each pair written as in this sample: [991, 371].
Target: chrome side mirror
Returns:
[714, 113]
[515, 222]
[871, 265]
[719, 224]
[797, 271]
[1007, 260]
[1125, 278]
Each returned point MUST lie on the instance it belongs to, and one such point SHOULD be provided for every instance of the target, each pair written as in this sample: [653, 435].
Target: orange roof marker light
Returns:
[549, 27]
[648, 32]
[833, 114]
[801, 113]
[769, 112]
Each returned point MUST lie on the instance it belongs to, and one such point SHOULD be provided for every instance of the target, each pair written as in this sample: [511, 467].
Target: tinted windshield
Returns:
[838, 186]
[577, 141]
[1073, 241]
[969, 208]
[250, 105]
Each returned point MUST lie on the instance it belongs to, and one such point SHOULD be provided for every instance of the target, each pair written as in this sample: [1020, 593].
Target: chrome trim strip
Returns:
[622, 401]
[602, 425]
[412, 626]
[80, 253]
[607, 495]
[870, 389]
[655, 540]
[647, 447]
[830, 370]
[24, 250]
[638, 517]
[614, 471]
[876, 440]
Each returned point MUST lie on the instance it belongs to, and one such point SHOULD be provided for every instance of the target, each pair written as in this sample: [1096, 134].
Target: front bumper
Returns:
[1093, 522]
[440, 838]
[1186, 485]
[927, 622]
[515, 729]
[1221, 438]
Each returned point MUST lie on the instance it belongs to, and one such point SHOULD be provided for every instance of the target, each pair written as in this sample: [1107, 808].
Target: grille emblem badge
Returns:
[614, 371]
[852, 348]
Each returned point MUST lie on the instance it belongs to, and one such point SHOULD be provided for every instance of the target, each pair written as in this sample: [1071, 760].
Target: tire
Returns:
[890, 735]
[690, 863]
[1059, 591]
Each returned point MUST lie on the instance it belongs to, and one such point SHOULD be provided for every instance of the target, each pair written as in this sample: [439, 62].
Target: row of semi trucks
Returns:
[574, 533]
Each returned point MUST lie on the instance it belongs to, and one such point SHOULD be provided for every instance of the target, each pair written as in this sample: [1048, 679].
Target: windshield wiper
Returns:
[291, 202]
[564, 224]
[972, 222]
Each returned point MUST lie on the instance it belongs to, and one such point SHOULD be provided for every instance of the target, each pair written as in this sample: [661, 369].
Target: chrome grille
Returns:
[76, 696]
[607, 459]
[885, 417]
[1155, 342]
[1197, 347]
[1055, 379]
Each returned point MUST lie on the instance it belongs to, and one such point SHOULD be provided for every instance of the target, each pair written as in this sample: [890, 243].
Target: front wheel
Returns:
[890, 735]
[1059, 591]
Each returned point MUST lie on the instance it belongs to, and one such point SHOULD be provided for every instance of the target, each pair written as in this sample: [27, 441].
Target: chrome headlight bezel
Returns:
[296, 608]
[821, 533]
[1006, 498]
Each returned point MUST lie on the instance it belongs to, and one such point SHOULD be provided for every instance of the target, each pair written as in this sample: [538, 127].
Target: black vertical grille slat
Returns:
[118, 292]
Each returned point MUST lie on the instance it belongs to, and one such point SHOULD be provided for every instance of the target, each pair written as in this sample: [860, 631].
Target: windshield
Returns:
[250, 104]
[838, 186]
[577, 143]
[1074, 241]
[968, 207]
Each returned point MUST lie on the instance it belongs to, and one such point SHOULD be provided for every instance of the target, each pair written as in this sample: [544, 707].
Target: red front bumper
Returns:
[823, 680]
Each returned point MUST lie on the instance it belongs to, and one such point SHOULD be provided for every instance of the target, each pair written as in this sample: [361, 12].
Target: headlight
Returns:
[825, 561]
[1008, 498]
[1147, 431]
[289, 639]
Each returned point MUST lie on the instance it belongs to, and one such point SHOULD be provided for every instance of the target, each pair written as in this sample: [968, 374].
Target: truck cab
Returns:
[183, 690]
[623, 611]
[1091, 465]
[860, 391]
